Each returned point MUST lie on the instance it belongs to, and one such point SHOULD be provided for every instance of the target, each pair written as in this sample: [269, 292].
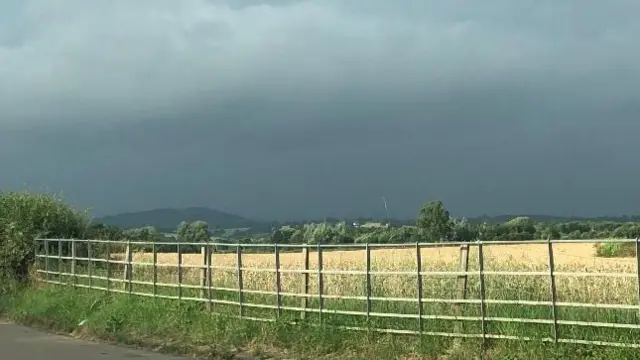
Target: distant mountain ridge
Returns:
[168, 219]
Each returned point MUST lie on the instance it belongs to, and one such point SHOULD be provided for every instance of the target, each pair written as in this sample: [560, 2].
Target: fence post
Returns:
[276, 250]
[320, 284]
[89, 264]
[37, 256]
[46, 260]
[462, 281]
[154, 269]
[108, 264]
[483, 307]
[203, 271]
[73, 262]
[552, 289]
[179, 271]
[305, 281]
[638, 269]
[127, 267]
[368, 280]
[60, 269]
[210, 250]
[420, 290]
[240, 283]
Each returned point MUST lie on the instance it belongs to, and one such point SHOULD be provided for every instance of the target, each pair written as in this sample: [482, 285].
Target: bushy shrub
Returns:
[615, 249]
[25, 216]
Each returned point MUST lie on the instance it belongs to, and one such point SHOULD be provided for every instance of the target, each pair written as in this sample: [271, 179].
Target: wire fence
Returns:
[413, 289]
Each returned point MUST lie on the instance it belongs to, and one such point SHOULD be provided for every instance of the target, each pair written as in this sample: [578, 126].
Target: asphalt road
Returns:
[21, 343]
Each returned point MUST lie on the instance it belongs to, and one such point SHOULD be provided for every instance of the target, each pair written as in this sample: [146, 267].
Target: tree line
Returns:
[434, 224]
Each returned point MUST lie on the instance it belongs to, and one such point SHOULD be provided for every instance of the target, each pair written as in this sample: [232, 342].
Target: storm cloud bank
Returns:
[288, 109]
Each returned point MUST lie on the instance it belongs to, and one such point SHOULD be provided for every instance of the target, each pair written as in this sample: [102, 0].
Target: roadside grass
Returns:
[188, 328]
[185, 327]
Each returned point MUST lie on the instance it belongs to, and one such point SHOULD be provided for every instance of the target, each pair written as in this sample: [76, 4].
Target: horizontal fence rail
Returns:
[430, 289]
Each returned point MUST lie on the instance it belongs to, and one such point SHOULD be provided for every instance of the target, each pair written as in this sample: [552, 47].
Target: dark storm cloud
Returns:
[282, 109]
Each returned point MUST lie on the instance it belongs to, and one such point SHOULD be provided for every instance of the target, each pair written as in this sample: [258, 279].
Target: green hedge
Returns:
[25, 216]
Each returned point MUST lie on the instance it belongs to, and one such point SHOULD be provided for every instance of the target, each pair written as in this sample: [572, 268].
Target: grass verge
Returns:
[188, 328]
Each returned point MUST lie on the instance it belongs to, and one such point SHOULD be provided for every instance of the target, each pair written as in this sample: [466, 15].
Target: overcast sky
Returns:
[296, 109]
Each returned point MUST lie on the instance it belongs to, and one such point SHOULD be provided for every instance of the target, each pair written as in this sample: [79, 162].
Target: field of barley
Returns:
[568, 256]
[521, 258]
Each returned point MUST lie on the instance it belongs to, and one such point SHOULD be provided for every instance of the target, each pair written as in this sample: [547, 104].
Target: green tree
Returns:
[183, 233]
[520, 228]
[434, 222]
[197, 231]
[463, 230]
[147, 233]
[277, 237]
[487, 231]
[200, 231]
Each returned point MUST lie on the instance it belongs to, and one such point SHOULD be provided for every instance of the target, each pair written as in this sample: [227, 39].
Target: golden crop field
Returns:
[529, 257]
[567, 257]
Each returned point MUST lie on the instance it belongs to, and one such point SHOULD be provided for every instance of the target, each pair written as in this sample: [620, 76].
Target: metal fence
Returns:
[134, 268]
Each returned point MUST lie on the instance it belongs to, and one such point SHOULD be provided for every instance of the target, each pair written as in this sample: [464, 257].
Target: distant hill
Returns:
[168, 219]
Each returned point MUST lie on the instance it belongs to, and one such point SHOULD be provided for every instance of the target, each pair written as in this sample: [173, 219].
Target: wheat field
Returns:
[566, 256]
[527, 257]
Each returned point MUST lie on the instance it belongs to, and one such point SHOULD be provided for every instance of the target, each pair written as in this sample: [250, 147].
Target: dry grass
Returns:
[530, 257]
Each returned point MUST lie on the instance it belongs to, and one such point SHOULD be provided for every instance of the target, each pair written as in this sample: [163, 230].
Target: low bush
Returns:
[25, 216]
[615, 249]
